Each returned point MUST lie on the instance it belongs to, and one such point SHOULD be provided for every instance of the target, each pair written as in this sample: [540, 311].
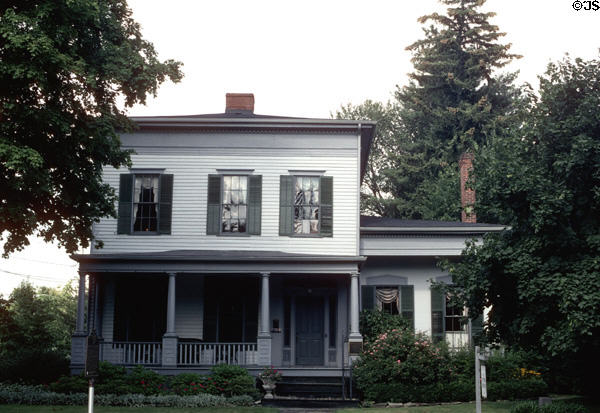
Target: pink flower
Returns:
[399, 362]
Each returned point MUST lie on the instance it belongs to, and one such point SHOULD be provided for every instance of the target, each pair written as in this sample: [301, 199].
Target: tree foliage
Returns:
[453, 103]
[541, 277]
[64, 65]
[35, 332]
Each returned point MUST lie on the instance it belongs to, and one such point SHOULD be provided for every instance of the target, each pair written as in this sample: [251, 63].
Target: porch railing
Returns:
[131, 353]
[197, 354]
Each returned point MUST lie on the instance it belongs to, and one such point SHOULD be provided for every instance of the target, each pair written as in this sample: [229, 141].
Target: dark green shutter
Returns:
[166, 204]
[286, 205]
[326, 206]
[254, 204]
[367, 294]
[213, 218]
[477, 329]
[407, 302]
[438, 302]
[125, 203]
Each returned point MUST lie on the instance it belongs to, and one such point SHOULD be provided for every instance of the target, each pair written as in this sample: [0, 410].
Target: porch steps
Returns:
[310, 403]
[312, 388]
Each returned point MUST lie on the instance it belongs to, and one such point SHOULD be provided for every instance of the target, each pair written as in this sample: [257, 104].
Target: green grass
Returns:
[13, 408]
[487, 407]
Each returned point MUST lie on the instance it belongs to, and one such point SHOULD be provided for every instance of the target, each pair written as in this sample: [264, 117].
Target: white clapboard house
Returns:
[239, 240]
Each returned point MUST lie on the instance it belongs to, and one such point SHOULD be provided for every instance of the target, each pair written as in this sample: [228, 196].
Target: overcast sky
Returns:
[306, 59]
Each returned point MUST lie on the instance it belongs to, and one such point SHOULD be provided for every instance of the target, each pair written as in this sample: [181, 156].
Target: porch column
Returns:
[79, 335]
[264, 334]
[354, 309]
[169, 341]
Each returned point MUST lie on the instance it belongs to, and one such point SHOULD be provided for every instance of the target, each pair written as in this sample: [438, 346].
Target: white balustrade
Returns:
[130, 353]
[209, 354]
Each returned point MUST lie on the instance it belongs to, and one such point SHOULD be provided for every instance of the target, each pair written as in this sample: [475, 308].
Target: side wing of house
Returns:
[401, 266]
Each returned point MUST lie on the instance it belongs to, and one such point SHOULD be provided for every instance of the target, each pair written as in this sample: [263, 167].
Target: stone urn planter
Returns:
[269, 378]
[268, 387]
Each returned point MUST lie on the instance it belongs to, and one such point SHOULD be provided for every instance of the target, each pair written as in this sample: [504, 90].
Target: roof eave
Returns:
[434, 230]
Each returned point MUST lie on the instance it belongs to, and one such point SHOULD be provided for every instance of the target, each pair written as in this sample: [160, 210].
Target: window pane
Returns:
[243, 183]
[234, 212]
[235, 197]
[298, 227]
[243, 197]
[242, 225]
[235, 182]
[226, 183]
[314, 226]
[242, 212]
[314, 183]
[227, 197]
[234, 225]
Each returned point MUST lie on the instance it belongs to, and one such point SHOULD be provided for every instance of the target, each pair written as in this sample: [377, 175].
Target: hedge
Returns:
[38, 395]
[458, 391]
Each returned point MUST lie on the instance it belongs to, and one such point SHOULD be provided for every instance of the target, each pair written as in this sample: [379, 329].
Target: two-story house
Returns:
[239, 240]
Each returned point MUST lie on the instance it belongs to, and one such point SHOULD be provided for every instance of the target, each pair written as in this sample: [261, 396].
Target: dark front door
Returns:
[309, 331]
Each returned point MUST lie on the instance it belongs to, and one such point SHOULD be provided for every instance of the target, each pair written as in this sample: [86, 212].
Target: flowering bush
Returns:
[402, 356]
[269, 374]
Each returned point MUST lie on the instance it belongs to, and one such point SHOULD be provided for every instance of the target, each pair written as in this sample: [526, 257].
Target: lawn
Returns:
[14, 408]
[487, 407]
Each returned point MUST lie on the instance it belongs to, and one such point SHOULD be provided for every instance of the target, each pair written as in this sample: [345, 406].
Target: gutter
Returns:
[434, 230]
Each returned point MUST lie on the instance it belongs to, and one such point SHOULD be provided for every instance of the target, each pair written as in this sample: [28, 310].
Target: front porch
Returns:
[287, 310]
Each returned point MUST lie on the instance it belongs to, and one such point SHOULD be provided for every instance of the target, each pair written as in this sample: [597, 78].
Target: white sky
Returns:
[306, 59]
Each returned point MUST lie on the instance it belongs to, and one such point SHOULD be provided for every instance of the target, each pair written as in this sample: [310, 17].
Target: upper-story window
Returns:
[145, 203]
[235, 204]
[306, 205]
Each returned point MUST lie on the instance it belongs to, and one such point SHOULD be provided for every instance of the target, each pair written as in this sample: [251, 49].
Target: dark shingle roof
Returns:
[370, 221]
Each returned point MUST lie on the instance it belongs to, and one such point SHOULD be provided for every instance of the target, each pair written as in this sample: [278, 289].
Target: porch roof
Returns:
[217, 261]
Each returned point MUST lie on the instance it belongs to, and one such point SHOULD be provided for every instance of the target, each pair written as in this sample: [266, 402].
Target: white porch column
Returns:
[78, 339]
[169, 350]
[264, 334]
[354, 309]
[79, 326]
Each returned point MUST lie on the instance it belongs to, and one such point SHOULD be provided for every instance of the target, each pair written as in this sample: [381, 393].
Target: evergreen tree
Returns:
[453, 103]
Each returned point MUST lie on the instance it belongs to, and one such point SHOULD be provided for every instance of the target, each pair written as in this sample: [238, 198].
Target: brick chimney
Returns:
[467, 196]
[239, 102]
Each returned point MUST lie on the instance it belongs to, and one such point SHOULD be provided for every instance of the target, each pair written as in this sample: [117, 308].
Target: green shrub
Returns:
[190, 384]
[400, 356]
[373, 323]
[428, 393]
[231, 381]
[516, 389]
[556, 407]
[145, 381]
[69, 384]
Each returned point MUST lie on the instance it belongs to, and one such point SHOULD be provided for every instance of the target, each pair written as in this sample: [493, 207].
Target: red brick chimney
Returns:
[467, 196]
[239, 102]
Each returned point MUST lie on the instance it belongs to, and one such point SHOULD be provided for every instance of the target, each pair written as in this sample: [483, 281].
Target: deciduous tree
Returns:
[64, 65]
[541, 277]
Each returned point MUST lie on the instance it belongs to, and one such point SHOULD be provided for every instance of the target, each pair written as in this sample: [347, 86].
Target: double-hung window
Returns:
[234, 204]
[145, 203]
[306, 205]
[391, 299]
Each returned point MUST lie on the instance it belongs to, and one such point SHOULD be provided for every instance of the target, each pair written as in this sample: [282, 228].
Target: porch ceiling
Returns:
[213, 261]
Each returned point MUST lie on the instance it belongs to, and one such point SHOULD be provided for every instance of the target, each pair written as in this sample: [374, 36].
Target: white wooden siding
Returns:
[189, 306]
[418, 272]
[191, 168]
